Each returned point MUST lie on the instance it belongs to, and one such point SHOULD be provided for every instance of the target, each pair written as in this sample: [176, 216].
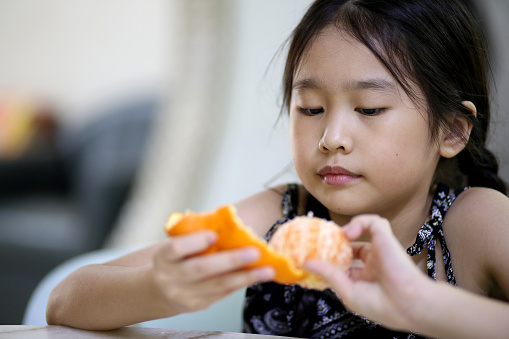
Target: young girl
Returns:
[388, 107]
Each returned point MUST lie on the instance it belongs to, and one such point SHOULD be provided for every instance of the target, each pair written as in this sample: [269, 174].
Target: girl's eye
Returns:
[370, 111]
[312, 111]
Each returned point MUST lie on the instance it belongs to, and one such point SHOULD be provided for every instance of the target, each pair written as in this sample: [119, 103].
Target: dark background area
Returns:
[62, 197]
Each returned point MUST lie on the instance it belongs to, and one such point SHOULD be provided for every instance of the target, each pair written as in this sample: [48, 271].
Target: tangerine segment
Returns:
[232, 234]
[308, 237]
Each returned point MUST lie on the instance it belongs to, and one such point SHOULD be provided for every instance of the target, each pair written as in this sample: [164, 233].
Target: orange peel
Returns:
[283, 251]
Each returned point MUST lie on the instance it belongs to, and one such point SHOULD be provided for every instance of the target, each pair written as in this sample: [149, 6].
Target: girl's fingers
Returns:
[177, 248]
[357, 273]
[202, 294]
[227, 283]
[388, 248]
[203, 267]
[360, 250]
[336, 277]
[195, 282]
[367, 224]
[378, 228]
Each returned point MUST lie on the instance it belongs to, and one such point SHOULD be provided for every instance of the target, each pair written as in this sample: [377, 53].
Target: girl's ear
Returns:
[454, 140]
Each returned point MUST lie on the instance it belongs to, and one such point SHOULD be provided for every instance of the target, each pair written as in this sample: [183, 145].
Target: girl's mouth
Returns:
[337, 176]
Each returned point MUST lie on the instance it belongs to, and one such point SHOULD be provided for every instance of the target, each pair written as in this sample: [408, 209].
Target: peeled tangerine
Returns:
[294, 242]
[308, 237]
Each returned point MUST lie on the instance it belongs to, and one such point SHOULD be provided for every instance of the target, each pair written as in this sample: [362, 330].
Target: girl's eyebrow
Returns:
[307, 84]
[374, 84]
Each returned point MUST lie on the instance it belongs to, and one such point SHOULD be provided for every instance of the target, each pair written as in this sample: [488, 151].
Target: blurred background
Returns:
[115, 113]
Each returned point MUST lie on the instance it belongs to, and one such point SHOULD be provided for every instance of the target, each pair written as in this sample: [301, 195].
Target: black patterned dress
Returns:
[275, 309]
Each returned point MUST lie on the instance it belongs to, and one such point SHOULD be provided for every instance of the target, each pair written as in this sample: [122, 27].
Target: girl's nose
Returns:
[336, 139]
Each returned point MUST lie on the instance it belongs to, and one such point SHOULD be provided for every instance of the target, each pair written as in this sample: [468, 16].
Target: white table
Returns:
[61, 332]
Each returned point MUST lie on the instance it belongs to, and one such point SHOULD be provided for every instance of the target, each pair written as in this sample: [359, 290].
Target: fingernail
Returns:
[211, 237]
[250, 255]
[265, 274]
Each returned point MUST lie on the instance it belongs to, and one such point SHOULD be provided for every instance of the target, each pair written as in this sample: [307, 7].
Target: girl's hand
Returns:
[187, 282]
[385, 284]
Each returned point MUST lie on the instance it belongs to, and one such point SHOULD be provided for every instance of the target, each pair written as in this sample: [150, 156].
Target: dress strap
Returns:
[432, 230]
[290, 201]
[289, 205]
[317, 208]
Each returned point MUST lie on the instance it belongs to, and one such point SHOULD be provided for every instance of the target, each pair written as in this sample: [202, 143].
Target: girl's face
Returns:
[359, 144]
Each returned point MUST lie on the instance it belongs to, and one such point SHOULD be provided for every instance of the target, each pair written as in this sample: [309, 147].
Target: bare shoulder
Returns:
[477, 232]
[482, 209]
[261, 210]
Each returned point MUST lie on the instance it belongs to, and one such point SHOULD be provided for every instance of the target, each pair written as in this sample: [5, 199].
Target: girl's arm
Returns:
[160, 281]
[390, 289]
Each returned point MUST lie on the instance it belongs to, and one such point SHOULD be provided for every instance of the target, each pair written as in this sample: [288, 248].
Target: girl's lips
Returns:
[337, 176]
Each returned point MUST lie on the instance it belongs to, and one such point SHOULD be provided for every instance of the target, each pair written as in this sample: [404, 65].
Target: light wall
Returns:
[79, 54]
[255, 147]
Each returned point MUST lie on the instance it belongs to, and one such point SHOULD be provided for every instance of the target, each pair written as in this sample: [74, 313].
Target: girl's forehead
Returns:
[334, 56]
[337, 62]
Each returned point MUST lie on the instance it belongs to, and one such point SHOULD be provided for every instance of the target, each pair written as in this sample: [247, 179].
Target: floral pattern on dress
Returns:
[290, 310]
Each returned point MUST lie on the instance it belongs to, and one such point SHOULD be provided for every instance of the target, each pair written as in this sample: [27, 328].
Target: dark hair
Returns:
[436, 44]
